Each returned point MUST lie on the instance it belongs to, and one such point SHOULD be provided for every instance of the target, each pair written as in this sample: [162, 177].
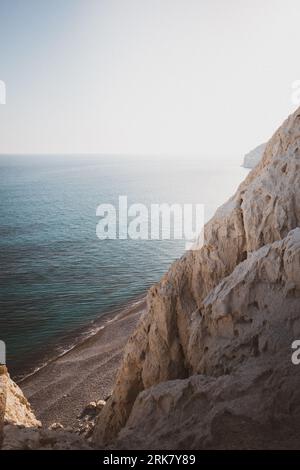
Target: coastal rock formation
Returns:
[245, 392]
[234, 300]
[18, 410]
[226, 412]
[20, 430]
[2, 399]
[15, 411]
[24, 438]
[14, 407]
[252, 158]
[209, 364]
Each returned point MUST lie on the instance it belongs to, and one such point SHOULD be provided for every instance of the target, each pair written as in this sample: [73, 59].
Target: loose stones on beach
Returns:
[87, 419]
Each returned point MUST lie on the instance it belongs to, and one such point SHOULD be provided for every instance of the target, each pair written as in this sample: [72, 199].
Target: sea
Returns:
[57, 278]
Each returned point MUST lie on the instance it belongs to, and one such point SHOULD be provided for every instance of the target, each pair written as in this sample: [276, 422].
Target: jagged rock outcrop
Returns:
[20, 430]
[2, 399]
[18, 410]
[25, 438]
[188, 329]
[243, 410]
[247, 392]
[251, 159]
[14, 408]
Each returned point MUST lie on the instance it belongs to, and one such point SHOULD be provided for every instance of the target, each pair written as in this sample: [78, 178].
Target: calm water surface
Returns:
[56, 276]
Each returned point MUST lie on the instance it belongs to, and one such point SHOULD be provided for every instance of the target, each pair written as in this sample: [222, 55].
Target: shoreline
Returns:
[82, 334]
[60, 389]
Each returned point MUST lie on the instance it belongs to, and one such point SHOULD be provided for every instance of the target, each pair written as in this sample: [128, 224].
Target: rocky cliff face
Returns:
[2, 399]
[18, 410]
[19, 428]
[14, 408]
[209, 365]
[214, 344]
[245, 391]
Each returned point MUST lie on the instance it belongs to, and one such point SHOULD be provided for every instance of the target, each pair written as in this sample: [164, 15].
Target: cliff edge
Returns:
[19, 428]
[210, 361]
[251, 159]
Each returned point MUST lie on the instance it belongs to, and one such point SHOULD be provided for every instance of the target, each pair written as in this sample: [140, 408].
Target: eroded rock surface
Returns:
[245, 393]
[251, 159]
[209, 365]
[18, 410]
[3, 373]
[25, 438]
[202, 320]
[20, 430]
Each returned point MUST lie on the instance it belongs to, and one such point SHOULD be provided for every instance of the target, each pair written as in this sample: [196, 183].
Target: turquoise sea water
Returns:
[56, 276]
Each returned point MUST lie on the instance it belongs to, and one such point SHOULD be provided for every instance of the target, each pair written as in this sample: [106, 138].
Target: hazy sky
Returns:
[209, 77]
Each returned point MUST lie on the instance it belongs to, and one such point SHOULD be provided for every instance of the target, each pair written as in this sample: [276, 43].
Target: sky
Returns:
[186, 77]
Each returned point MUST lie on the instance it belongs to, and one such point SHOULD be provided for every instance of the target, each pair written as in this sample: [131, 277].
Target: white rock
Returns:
[189, 328]
[252, 158]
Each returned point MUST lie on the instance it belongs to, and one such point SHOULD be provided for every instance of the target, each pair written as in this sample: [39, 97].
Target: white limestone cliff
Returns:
[19, 428]
[209, 365]
[192, 329]
[244, 391]
[251, 159]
